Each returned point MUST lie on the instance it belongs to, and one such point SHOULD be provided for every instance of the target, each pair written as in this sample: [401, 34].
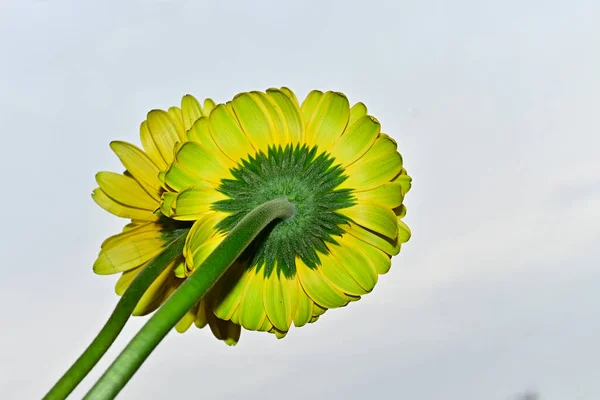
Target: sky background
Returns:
[495, 107]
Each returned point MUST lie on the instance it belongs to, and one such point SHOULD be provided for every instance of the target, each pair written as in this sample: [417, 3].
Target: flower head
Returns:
[344, 177]
[136, 194]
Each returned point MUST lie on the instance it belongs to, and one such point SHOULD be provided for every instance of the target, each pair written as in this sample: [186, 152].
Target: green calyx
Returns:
[308, 180]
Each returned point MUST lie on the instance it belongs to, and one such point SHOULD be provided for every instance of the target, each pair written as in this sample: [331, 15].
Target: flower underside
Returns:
[306, 178]
[203, 168]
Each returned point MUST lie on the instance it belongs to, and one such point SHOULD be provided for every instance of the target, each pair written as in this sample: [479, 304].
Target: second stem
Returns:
[188, 294]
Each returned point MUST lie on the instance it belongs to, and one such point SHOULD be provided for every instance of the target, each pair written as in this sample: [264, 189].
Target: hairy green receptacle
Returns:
[308, 179]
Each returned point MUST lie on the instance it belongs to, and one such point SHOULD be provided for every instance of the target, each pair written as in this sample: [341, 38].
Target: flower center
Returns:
[305, 178]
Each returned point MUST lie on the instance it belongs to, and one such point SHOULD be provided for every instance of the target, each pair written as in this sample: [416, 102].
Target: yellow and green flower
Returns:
[136, 194]
[257, 213]
[344, 177]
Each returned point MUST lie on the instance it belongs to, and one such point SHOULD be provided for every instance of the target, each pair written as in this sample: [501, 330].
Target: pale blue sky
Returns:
[495, 106]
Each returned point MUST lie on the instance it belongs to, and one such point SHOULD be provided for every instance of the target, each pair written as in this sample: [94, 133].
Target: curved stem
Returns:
[116, 321]
[188, 294]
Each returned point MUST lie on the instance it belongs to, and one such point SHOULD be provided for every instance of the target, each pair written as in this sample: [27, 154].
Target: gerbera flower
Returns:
[136, 194]
[332, 162]
[286, 211]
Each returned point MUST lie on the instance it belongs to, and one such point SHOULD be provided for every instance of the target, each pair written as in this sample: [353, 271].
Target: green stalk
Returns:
[188, 294]
[116, 321]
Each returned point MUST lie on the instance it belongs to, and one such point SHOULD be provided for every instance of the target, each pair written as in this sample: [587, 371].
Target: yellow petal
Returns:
[290, 95]
[374, 217]
[357, 111]
[150, 147]
[168, 201]
[139, 165]
[235, 318]
[228, 291]
[191, 204]
[178, 177]
[201, 231]
[328, 121]
[294, 127]
[161, 178]
[390, 246]
[122, 210]
[126, 191]
[267, 326]
[403, 231]
[254, 118]
[180, 270]
[382, 263]
[154, 295]
[318, 288]
[209, 105]
[252, 311]
[129, 249]
[199, 160]
[280, 299]
[187, 320]
[164, 133]
[309, 105]
[331, 269]
[379, 260]
[318, 311]
[389, 195]
[351, 253]
[200, 254]
[403, 180]
[133, 224]
[356, 140]
[125, 280]
[400, 211]
[278, 334]
[191, 110]
[226, 331]
[177, 119]
[200, 133]
[280, 133]
[378, 166]
[228, 135]
[304, 310]
[201, 319]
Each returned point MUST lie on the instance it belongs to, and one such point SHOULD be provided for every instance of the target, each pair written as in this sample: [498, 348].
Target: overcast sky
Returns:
[496, 109]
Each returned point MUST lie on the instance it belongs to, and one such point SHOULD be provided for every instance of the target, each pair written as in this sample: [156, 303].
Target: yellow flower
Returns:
[136, 194]
[344, 177]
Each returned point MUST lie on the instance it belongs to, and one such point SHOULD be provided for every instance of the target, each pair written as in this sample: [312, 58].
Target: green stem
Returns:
[188, 294]
[117, 320]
